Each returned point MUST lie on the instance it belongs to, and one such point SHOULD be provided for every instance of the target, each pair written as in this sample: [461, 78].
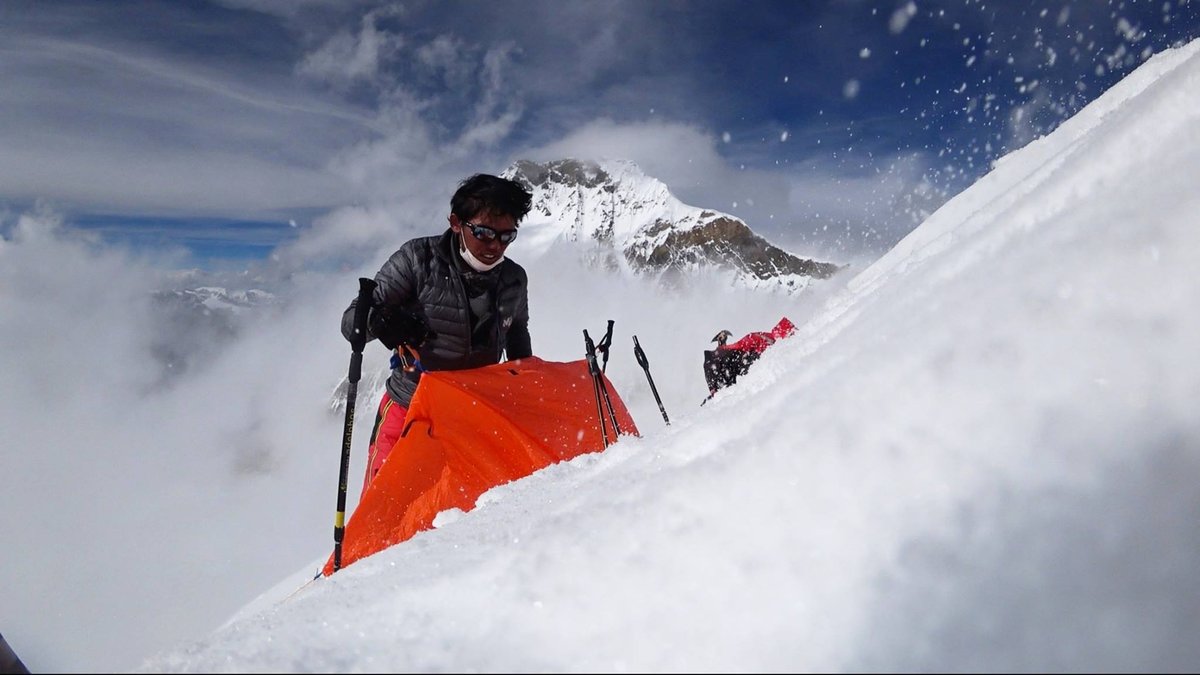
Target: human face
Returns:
[487, 251]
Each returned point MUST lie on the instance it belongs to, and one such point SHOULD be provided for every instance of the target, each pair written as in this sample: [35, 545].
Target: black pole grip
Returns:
[605, 343]
[362, 306]
[639, 354]
[590, 347]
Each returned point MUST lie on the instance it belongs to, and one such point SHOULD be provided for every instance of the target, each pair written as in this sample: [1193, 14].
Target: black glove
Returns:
[394, 326]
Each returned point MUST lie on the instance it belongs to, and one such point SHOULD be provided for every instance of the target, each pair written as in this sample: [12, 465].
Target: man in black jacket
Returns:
[449, 302]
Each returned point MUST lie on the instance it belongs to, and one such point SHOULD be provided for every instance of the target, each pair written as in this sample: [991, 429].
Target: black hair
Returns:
[483, 192]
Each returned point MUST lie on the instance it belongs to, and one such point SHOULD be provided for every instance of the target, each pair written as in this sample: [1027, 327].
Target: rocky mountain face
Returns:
[628, 220]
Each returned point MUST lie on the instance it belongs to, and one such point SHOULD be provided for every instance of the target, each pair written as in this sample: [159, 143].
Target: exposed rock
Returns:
[634, 220]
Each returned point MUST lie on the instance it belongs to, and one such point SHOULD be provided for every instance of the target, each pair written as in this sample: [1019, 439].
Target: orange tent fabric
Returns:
[468, 431]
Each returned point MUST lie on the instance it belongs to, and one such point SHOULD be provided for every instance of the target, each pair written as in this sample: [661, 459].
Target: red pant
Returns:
[389, 422]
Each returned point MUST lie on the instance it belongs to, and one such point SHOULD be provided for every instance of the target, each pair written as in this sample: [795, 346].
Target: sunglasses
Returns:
[485, 233]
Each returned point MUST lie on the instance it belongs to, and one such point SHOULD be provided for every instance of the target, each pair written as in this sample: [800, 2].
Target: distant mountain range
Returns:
[624, 219]
[196, 322]
[215, 300]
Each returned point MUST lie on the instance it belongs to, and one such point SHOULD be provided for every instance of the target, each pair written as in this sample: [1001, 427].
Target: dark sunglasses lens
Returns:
[483, 233]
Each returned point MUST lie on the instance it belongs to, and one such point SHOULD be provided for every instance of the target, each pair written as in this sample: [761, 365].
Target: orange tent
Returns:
[468, 431]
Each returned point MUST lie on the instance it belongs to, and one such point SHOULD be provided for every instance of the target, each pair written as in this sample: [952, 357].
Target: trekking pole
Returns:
[604, 344]
[358, 339]
[645, 364]
[594, 371]
[599, 380]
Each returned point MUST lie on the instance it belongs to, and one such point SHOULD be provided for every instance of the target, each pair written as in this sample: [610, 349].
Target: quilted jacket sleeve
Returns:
[395, 285]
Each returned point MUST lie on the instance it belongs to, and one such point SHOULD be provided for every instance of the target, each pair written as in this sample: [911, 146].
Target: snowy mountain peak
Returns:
[218, 298]
[631, 221]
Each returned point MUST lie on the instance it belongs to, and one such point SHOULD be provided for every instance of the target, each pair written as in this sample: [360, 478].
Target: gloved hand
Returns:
[394, 326]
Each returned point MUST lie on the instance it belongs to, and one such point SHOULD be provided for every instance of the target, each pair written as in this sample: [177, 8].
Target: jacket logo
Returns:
[506, 322]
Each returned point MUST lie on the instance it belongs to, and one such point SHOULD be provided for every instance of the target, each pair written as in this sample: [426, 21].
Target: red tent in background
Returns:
[758, 341]
[723, 365]
[468, 431]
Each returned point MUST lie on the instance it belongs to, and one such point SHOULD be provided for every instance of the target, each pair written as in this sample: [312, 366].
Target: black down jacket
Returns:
[426, 275]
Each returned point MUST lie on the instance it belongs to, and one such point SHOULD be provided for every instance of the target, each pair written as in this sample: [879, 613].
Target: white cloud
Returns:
[346, 57]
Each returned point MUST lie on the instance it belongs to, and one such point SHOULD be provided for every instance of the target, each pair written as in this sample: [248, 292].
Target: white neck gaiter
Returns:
[475, 263]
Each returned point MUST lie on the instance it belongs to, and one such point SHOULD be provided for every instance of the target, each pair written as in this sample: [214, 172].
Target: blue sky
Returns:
[221, 129]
